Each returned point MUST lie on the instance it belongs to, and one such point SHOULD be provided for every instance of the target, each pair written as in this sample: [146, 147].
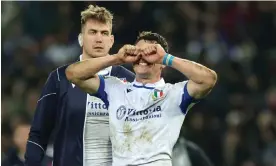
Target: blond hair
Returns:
[100, 14]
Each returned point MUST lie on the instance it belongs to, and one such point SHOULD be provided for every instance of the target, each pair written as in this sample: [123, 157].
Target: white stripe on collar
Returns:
[159, 83]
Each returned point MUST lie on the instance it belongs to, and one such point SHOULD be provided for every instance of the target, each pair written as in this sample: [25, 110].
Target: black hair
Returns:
[150, 36]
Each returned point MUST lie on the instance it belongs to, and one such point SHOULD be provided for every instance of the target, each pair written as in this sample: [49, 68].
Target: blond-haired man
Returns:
[80, 120]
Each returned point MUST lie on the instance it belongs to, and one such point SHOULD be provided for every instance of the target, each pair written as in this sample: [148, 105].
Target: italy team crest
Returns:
[157, 94]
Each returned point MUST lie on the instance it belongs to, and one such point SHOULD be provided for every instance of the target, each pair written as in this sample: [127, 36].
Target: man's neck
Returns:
[148, 80]
[85, 56]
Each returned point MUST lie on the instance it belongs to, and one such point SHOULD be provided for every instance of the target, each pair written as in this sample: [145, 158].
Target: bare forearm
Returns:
[201, 78]
[86, 69]
[194, 71]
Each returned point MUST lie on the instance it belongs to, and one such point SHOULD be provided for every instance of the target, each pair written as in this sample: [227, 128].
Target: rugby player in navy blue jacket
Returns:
[80, 121]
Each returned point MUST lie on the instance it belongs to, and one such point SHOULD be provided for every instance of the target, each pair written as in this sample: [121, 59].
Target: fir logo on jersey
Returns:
[121, 112]
[157, 94]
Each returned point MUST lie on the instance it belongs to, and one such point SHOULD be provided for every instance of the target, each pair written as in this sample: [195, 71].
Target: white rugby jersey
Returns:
[97, 146]
[145, 120]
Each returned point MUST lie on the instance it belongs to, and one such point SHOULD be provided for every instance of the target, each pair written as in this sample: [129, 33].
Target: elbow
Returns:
[211, 80]
[207, 84]
[71, 74]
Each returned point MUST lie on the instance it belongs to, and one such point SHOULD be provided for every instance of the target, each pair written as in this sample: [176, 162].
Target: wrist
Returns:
[167, 59]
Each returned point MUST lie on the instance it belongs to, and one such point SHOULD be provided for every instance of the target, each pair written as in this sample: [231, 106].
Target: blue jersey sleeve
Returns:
[186, 100]
[101, 92]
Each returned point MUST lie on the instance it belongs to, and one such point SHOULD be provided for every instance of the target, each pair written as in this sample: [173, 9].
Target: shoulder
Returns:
[176, 86]
[60, 71]
[58, 74]
[180, 85]
[122, 72]
[176, 90]
[114, 80]
[123, 69]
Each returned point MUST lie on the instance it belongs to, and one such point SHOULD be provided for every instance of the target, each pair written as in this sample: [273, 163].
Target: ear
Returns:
[80, 39]
[111, 40]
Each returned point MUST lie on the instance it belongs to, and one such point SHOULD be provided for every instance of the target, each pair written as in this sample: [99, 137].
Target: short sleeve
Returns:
[183, 98]
[108, 86]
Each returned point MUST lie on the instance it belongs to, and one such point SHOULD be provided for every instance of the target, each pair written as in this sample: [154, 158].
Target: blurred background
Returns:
[235, 125]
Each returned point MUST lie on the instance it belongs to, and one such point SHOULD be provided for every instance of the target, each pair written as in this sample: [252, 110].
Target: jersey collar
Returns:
[104, 72]
[159, 83]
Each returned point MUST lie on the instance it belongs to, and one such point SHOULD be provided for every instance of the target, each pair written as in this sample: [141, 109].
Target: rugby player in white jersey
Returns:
[145, 115]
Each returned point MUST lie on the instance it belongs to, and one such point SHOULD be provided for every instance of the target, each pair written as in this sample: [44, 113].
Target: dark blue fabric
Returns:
[101, 93]
[186, 100]
[196, 155]
[63, 114]
[42, 123]
[137, 86]
[12, 159]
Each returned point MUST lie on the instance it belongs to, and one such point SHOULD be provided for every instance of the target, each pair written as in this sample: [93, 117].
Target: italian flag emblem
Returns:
[157, 94]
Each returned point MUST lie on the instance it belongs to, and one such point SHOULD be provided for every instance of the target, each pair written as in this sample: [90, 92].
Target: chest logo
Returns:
[157, 94]
[121, 112]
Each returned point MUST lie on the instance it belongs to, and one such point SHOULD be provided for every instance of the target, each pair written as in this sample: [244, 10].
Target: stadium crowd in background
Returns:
[235, 125]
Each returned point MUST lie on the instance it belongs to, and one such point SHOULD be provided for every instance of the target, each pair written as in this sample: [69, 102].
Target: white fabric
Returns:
[143, 128]
[97, 145]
